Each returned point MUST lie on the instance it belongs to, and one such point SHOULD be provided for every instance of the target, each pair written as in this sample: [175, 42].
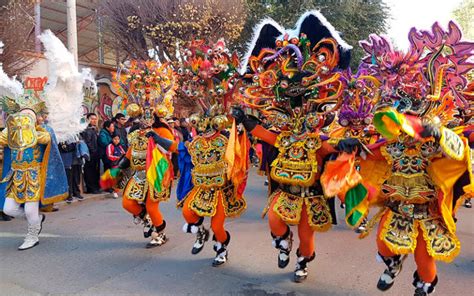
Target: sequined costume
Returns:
[294, 85]
[219, 171]
[145, 173]
[410, 174]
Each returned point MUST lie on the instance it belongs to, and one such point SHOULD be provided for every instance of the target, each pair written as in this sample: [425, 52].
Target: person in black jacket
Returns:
[120, 121]
[92, 166]
[67, 151]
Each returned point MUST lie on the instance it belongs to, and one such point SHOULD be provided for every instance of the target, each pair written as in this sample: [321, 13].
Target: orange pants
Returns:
[217, 221]
[425, 264]
[306, 235]
[152, 208]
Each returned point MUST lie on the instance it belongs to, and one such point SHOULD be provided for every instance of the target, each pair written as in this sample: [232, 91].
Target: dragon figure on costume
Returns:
[148, 87]
[214, 179]
[293, 78]
[413, 172]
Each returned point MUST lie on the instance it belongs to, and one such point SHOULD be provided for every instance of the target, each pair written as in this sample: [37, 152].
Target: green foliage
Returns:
[464, 16]
[355, 19]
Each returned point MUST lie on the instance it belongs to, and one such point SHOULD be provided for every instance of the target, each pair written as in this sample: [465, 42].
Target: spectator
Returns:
[183, 126]
[67, 151]
[92, 165]
[178, 137]
[105, 138]
[120, 122]
[115, 151]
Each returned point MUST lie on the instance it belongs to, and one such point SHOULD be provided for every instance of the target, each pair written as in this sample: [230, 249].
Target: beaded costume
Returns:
[411, 173]
[33, 172]
[289, 78]
[145, 173]
[208, 75]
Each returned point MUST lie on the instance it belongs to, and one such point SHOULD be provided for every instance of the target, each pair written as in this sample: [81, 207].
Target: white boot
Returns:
[31, 238]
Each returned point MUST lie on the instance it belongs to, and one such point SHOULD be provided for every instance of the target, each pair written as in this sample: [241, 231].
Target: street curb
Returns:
[86, 197]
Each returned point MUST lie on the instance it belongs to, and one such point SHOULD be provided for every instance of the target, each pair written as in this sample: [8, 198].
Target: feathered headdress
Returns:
[208, 74]
[63, 94]
[294, 71]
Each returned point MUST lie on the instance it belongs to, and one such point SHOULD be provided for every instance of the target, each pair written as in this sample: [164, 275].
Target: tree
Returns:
[140, 25]
[355, 19]
[16, 26]
[464, 15]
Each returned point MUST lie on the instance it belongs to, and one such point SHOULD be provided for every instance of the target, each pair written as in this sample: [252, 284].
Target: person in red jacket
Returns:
[114, 153]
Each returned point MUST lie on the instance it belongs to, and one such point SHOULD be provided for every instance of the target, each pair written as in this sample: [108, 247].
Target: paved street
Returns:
[93, 248]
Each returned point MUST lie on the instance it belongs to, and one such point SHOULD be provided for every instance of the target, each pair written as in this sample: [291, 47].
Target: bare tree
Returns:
[139, 25]
[16, 27]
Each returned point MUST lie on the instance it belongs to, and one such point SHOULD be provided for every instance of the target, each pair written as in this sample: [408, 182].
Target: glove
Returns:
[124, 163]
[163, 142]
[154, 135]
[430, 130]
[238, 114]
[349, 145]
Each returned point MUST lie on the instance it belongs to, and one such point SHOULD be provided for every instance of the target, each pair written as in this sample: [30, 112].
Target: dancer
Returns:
[220, 171]
[292, 82]
[148, 88]
[411, 174]
[33, 171]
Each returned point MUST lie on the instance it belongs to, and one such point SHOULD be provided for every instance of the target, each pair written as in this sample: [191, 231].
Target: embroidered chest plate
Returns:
[207, 155]
[296, 163]
[138, 144]
[21, 131]
[410, 158]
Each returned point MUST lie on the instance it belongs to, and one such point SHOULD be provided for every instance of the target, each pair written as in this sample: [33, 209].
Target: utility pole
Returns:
[37, 25]
[72, 28]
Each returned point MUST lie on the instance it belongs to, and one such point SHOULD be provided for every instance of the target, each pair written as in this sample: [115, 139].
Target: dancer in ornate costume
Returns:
[412, 173]
[294, 85]
[220, 161]
[33, 171]
[148, 87]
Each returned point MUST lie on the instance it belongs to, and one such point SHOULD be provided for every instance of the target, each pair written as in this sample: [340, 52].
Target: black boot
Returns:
[394, 266]
[202, 235]
[221, 251]
[283, 243]
[422, 288]
[301, 270]
[158, 236]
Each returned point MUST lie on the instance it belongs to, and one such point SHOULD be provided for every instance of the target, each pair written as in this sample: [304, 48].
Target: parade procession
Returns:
[315, 147]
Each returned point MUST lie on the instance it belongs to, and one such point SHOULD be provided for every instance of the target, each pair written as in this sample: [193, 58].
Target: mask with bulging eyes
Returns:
[206, 124]
[279, 119]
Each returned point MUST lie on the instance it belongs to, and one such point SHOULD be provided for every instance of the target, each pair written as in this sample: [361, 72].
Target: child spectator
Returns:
[114, 153]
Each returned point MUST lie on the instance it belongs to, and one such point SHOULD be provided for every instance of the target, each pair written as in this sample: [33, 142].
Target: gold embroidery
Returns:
[399, 233]
[440, 243]
[204, 202]
[289, 208]
[23, 185]
[207, 155]
[296, 163]
[233, 206]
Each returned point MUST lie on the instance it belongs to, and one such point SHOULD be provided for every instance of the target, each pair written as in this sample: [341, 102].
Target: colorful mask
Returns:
[208, 75]
[148, 87]
[430, 78]
[296, 75]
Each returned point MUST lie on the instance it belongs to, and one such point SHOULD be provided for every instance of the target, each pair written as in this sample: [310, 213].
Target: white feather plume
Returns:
[64, 91]
[9, 87]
